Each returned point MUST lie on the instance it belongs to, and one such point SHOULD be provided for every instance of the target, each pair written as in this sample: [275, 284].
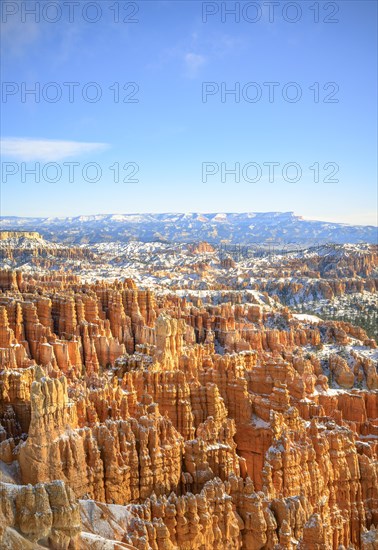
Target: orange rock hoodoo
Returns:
[157, 423]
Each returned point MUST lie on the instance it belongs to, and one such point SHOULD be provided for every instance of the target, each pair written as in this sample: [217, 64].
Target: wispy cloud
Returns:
[193, 62]
[21, 36]
[46, 150]
[197, 50]
[18, 36]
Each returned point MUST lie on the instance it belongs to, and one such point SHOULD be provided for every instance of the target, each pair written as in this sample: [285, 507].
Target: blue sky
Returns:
[162, 140]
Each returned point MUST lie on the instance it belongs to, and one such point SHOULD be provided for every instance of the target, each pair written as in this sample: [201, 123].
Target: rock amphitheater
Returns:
[145, 421]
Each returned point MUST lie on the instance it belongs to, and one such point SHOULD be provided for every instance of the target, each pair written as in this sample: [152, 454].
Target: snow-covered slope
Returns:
[243, 228]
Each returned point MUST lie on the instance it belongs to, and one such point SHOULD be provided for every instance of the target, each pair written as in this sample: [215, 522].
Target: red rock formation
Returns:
[122, 397]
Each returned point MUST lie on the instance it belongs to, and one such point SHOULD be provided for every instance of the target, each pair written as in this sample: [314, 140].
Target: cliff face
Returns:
[19, 234]
[129, 420]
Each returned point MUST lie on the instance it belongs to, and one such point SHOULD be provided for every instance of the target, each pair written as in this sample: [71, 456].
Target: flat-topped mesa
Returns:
[19, 235]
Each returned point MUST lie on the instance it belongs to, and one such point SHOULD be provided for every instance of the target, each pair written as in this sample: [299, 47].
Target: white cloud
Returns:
[194, 62]
[25, 149]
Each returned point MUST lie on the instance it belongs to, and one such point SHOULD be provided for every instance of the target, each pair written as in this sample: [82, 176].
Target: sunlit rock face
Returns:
[130, 419]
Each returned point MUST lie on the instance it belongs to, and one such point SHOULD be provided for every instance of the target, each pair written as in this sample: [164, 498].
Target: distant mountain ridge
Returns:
[239, 228]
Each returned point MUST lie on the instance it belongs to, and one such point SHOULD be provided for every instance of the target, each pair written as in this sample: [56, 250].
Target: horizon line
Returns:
[183, 213]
